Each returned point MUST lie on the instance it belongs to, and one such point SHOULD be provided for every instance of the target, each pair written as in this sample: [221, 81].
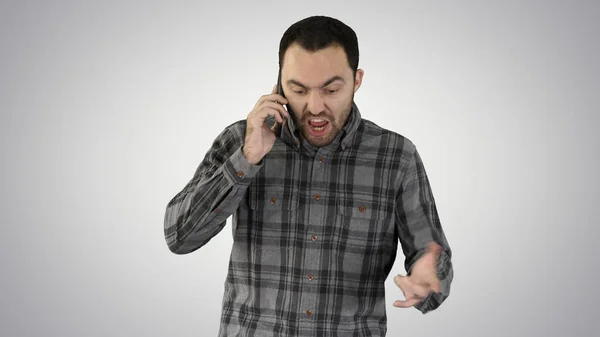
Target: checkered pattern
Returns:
[315, 230]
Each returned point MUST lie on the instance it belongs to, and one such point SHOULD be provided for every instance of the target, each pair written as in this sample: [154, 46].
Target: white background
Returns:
[107, 109]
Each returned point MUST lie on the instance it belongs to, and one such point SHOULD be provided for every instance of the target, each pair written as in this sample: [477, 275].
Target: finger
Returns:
[258, 118]
[275, 113]
[410, 287]
[277, 107]
[398, 279]
[274, 97]
[267, 109]
[406, 303]
[274, 127]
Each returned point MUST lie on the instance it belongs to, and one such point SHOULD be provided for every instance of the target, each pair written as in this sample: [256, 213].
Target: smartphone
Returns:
[279, 87]
[280, 92]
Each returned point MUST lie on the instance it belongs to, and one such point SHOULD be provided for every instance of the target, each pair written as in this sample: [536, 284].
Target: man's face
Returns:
[320, 89]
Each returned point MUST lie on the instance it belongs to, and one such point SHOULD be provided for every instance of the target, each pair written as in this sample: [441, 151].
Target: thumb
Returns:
[274, 91]
[400, 280]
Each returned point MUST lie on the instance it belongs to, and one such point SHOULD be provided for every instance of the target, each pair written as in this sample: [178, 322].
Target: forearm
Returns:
[419, 225]
[194, 216]
[200, 210]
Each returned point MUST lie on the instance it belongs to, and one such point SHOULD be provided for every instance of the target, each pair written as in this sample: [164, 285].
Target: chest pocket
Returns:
[363, 207]
[365, 230]
[366, 222]
[273, 217]
[272, 200]
[273, 221]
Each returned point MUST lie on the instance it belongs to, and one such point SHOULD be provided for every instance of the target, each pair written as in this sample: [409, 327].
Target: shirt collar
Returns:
[290, 133]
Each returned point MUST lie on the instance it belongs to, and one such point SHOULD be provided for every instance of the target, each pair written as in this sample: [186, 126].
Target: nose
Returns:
[315, 103]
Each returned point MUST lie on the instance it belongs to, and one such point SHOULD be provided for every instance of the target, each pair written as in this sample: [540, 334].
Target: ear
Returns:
[358, 79]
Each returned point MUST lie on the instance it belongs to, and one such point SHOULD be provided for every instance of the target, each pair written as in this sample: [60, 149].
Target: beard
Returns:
[335, 125]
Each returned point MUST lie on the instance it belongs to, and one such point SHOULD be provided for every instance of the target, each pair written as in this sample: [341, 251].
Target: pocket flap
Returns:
[362, 207]
[274, 200]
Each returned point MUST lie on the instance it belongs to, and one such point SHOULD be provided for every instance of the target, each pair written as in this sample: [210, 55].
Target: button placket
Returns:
[315, 217]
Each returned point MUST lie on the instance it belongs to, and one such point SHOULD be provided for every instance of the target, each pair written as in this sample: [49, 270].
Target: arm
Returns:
[200, 210]
[418, 225]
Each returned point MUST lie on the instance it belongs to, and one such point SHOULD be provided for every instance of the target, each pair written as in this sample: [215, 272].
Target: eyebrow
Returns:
[328, 82]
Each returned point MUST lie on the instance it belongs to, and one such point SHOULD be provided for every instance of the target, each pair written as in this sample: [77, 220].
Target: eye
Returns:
[332, 91]
[299, 92]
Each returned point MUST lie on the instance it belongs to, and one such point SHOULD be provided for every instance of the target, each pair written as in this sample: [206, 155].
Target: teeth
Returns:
[317, 120]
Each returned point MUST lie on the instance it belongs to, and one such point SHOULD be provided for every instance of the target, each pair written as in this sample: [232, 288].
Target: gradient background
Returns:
[107, 109]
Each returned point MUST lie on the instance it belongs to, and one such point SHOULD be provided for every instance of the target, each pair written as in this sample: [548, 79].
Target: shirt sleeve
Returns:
[418, 224]
[199, 211]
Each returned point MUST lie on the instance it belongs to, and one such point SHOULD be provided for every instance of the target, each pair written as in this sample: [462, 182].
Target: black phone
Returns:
[280, 92]
[279, 87]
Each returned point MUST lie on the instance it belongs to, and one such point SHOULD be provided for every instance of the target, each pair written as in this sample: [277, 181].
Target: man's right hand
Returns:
[259, 137]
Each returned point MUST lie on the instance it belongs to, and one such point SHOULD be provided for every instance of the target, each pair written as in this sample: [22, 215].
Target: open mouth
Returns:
[318, 127]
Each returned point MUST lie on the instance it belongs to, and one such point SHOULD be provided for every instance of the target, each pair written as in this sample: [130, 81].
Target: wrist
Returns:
[251, 159]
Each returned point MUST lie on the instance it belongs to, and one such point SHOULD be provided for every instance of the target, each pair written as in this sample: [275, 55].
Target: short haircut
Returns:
[319, 32]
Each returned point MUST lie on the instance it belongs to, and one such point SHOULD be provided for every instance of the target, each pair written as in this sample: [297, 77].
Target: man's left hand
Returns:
[422, 280]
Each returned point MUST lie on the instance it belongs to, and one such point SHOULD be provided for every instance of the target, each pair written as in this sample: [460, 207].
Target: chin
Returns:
[318, 142]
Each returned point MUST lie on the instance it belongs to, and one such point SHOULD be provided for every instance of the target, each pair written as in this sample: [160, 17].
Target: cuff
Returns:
[238, 170]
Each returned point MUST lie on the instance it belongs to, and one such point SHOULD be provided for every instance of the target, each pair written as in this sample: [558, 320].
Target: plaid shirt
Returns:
[315, 230]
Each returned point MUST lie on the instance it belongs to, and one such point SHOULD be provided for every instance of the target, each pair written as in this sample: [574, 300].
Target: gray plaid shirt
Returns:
[315, 230]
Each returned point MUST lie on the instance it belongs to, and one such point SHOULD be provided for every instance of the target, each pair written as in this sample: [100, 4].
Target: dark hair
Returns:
[319, 32]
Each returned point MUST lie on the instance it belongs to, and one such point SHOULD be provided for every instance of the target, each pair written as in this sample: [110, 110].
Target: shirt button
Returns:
[310, 277]
[362, 209]
[273, 200]
[317, 197]
[308, 312]
[240, 174]
[314, 238]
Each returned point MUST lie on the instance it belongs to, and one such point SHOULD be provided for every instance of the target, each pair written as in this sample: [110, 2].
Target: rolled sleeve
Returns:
[419, 224]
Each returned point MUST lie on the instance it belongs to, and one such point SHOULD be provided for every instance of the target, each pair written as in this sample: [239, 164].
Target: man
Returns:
[320, 198]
